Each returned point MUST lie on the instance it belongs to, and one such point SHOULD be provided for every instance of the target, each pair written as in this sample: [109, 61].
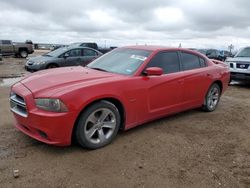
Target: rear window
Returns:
[88, 52]
[190, 61]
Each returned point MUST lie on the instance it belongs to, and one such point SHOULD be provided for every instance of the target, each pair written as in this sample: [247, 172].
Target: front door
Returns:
[74, 57]
[164, 93]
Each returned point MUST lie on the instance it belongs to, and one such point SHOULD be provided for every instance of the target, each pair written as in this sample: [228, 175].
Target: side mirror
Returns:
[66, 55]
[153, 71]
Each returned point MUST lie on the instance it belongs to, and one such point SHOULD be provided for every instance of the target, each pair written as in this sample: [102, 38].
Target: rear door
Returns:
[88, 56]
[164, 92]
[196, 79]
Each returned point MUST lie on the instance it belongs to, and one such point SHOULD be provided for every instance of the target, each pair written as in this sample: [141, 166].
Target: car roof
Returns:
[150, 47]
[79, 47]
[74, 47]
[161, 48]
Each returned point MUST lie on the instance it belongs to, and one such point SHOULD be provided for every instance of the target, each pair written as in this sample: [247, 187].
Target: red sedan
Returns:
[120, 90]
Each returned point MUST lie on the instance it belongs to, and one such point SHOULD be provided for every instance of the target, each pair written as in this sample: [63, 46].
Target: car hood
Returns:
[48, 82]
[239, 59]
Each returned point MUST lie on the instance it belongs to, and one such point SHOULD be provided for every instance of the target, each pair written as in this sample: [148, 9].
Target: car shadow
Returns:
[241, 84]
[76, 148]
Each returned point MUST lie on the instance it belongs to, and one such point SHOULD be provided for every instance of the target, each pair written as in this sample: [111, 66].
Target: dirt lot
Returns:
[190, 149]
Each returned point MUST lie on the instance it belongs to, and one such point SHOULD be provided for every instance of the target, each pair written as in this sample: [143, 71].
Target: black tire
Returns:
[23, 53]
[230, 80]
[96, 135]
[51, 66]
[212, 98]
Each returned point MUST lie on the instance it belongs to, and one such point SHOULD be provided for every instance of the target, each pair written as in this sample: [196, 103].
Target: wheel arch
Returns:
[22, 48]
[219, 83]
[119, 105]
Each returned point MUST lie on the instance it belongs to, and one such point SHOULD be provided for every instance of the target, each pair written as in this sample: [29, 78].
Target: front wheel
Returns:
[98, 125]
[212, 98]
[23, 53]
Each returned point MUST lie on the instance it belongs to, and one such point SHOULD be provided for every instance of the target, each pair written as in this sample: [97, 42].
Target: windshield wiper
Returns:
[96, 68]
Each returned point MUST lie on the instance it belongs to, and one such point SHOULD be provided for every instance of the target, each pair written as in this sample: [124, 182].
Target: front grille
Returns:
[242, 66]
[18, 105]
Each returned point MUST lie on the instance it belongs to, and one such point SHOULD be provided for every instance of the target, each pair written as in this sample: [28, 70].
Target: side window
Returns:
[75, 53]
[168, 61]
[6, 42]
[190, 61]
[88, 52]
[202, 62]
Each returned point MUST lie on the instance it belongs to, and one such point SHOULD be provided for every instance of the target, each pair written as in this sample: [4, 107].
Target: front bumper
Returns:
[48, 127]
[240, 76]
[239, 70]
[34, 67]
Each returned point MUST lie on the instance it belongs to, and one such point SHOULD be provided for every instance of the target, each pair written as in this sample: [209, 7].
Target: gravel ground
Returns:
[190, 149]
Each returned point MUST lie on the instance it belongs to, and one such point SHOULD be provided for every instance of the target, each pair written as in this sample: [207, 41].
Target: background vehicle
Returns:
[120, 90]
[92, 45]
[0, 55]
[240, 65]
[7, 47]
[215, 54]
[61, 57]
[202, 51]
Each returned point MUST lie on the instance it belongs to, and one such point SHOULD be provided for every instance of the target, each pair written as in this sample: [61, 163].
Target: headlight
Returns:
[39, 63]
[54, 105]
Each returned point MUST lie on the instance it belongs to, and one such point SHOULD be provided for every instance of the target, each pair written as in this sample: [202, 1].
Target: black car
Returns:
[61, 57]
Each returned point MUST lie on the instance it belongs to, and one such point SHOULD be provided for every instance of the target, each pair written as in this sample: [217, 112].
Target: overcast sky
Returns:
[193, 23]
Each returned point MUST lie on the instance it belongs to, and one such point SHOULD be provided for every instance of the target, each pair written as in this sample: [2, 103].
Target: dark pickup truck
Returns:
[7, 47]
[92, 45]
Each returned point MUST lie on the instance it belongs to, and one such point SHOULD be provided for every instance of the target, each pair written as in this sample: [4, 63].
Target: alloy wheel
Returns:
[100, 125]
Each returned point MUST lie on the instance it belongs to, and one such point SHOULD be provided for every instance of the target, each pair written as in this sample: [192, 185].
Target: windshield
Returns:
[245, 52]
[56, 52]
[122, 61]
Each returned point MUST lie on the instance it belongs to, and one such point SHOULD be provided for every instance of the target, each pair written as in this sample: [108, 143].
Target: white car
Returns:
[240, 65]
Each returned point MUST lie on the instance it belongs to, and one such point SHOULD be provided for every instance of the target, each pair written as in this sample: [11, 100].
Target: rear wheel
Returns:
[212, 98]
[98, 125]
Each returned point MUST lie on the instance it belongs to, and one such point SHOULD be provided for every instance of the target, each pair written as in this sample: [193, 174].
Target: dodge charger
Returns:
[118, 91]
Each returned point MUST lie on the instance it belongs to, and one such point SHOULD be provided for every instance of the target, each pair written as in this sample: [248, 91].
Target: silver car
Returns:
[61, 57]
[240, 65]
